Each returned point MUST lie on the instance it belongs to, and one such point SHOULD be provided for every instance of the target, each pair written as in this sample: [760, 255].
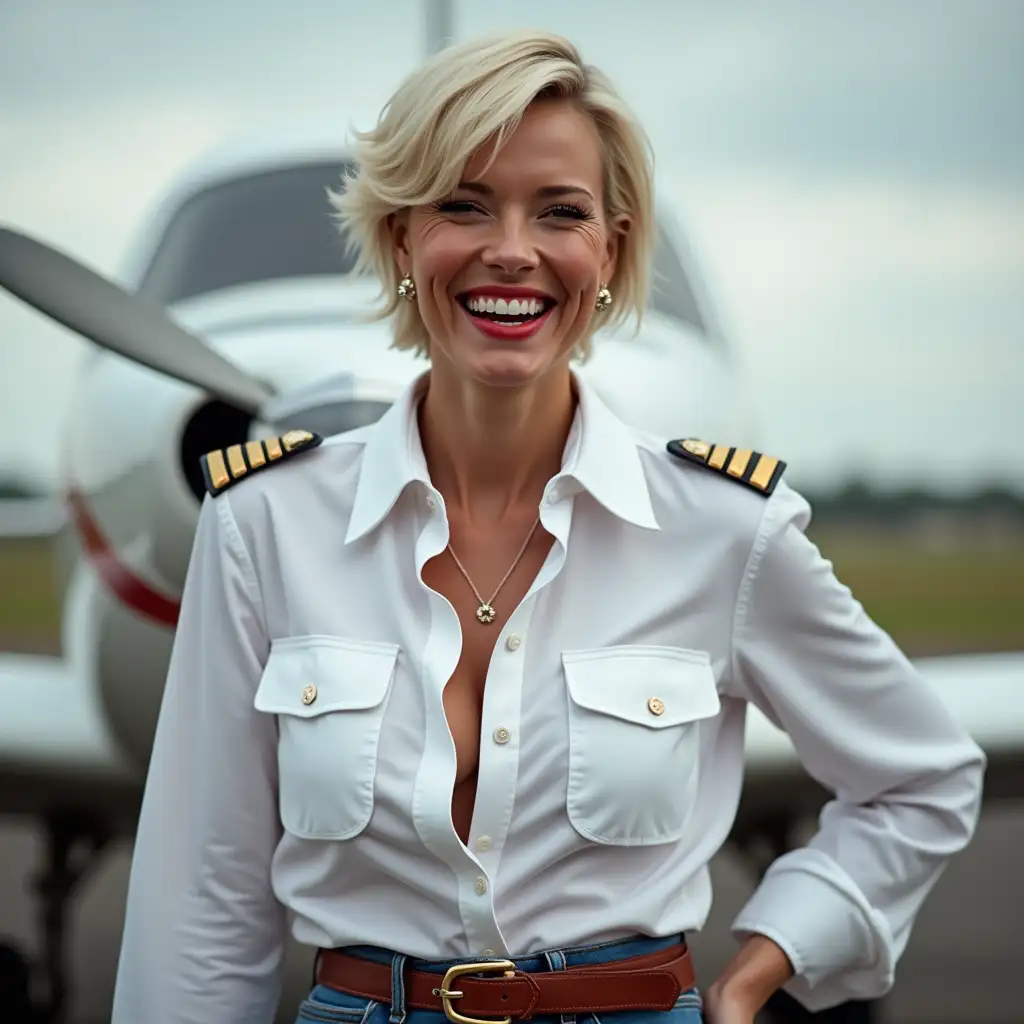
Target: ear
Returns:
[618, 228]
[398, 225]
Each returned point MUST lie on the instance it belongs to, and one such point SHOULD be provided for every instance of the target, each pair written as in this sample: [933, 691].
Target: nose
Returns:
[511, 249]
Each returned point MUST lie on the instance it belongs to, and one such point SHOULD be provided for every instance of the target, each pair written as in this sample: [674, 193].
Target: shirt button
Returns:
[488, 952]
[430, 502]
[502, 735]
[481, 886]
[513, 641]
[309, 694]
[483, 844]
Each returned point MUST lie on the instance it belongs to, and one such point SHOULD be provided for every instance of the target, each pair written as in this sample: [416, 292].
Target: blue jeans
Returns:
[329, 1006]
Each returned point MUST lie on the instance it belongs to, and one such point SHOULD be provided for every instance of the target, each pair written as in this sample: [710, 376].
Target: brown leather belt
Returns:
[649, 982]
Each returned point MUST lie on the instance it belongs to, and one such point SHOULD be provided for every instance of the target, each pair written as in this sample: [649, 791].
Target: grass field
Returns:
[29, 602]
[968, 596]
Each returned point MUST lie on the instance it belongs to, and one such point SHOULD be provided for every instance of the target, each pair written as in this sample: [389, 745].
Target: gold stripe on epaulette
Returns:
[718, 456]
[738, 462]
[223, 467]
[254, 453]
[236, 461]
[219, 475]
[762, 475]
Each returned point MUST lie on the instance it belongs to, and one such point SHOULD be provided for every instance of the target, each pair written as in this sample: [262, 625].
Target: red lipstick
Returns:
[507, 332]
[507, 329]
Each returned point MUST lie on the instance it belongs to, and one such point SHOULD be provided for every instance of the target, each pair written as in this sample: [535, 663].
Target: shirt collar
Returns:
[600, 456]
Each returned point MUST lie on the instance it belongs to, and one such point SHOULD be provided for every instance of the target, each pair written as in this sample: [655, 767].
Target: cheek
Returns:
[439, 258]
[577, 261]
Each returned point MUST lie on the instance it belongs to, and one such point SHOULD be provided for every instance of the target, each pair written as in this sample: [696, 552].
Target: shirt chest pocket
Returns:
[634, 740]
[329, 695]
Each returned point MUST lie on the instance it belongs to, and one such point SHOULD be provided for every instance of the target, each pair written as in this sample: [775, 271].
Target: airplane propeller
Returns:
[95, 307]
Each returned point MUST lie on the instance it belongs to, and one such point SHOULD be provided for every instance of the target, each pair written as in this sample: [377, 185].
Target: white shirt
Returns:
[595, 817]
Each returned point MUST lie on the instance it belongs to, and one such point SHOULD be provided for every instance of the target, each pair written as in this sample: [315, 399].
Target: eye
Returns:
[457, 206]
[571, 210]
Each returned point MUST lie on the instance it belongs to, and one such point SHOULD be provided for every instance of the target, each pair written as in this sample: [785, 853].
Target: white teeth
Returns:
[503, 307]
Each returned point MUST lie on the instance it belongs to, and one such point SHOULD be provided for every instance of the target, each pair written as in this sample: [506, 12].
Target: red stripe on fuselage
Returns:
[128, 588]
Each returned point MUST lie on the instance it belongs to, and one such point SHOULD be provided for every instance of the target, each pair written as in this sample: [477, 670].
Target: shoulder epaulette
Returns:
[760, 472]
[226, 466]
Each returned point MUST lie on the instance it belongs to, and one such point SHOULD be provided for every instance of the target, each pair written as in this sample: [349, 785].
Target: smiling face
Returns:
[508, 266]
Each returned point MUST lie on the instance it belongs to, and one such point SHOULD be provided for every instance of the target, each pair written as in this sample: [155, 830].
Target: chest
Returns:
[484, 576]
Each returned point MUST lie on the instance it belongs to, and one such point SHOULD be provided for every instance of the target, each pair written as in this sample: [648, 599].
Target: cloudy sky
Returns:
[852, 177]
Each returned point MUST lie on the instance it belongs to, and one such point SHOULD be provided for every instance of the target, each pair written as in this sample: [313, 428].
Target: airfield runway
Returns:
[965, 964]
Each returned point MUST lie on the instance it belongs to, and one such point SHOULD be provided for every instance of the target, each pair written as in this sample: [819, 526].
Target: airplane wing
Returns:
[55, 742]
[56, 751]
[31, 518]
[983, 691]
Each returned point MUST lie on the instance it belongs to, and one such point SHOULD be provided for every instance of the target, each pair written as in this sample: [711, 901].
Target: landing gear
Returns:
[74, 845]
[761, 843]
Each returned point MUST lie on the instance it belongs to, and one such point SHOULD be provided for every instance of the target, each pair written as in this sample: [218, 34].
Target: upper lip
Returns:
[505, 291]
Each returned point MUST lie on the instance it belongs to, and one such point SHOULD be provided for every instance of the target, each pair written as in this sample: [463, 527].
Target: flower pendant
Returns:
[485, 613]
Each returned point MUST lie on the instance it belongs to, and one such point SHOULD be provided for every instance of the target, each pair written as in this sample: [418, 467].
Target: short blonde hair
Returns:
[448, 108]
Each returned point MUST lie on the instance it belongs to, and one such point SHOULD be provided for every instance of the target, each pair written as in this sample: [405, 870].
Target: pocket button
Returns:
[309, 694]
[656, 706]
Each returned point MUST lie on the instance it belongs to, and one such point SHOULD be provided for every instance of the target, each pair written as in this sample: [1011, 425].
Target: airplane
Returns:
[241, 317]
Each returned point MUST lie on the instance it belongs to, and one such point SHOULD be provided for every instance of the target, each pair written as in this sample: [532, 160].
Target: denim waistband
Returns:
[543, 960]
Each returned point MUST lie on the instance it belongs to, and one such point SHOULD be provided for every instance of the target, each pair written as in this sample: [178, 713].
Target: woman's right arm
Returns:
[204, 935]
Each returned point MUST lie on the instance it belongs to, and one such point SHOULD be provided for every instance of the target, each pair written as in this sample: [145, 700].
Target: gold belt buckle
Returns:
[447, 993]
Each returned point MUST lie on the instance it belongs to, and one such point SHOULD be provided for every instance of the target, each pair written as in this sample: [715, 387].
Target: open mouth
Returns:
[509, 312]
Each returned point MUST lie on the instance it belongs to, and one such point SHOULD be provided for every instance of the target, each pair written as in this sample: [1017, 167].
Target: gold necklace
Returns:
[485, 613]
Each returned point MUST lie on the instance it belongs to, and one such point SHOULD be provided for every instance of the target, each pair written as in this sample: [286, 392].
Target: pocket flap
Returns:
[311, 675]
[650, 686]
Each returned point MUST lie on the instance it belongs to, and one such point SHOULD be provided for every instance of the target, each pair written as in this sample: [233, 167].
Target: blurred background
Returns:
[852, 178]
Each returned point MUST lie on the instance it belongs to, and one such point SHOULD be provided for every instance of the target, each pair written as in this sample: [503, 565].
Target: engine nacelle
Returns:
[134, 485]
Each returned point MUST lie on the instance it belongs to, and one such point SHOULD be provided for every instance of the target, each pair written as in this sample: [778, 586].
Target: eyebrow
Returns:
[547, 192]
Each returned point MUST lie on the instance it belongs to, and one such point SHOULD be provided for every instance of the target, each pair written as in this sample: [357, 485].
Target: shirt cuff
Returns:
[840, 947]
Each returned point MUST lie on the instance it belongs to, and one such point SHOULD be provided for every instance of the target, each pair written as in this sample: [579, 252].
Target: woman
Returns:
[467, 686]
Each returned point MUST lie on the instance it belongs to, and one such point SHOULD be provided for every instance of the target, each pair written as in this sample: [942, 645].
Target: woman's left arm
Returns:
[907, 778]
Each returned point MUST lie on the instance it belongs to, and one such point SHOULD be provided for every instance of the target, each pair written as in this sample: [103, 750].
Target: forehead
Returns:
[555, 143]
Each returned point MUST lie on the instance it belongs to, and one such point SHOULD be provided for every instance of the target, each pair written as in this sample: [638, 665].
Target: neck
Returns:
[491, 450]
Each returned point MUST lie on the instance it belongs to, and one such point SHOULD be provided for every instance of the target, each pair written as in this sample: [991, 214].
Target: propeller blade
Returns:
[81, 299]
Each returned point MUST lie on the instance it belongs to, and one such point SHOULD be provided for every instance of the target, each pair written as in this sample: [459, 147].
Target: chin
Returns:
[498, 363]
[506, 369]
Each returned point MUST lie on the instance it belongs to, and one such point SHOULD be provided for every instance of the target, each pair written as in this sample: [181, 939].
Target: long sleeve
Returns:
[204, 935]
[906, 778]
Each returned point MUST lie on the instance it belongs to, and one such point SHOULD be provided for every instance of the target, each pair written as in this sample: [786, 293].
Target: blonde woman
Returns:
[462, 693]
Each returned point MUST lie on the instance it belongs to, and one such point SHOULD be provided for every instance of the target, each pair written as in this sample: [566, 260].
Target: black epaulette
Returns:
[226, 466]
[760, 472]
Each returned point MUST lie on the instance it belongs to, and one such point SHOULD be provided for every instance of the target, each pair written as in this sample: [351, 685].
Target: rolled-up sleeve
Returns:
[906, 777]
[204, 935]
